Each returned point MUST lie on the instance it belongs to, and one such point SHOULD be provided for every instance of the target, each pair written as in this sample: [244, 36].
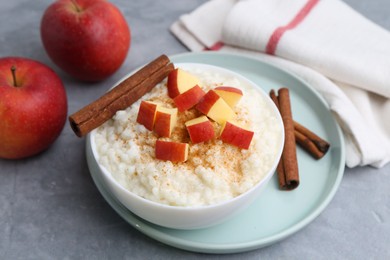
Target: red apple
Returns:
[147, 114]
[171, 151]
[200, 129]
[165, 121]
[89, 39]
[33, 107]
[234, 134]
[231, 95]
[188, 99]
[215, 107]
[179, 81]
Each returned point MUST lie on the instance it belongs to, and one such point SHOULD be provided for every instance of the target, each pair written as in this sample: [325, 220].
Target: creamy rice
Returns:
[214, 171]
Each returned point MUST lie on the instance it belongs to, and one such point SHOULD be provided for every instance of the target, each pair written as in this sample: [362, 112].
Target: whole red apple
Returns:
[33, 107]
[89, 39]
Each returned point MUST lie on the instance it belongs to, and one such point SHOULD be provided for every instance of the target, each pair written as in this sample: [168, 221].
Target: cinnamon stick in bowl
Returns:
[121, 96]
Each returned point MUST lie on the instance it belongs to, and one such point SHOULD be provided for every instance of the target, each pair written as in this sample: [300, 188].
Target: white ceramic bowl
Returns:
[184, 217]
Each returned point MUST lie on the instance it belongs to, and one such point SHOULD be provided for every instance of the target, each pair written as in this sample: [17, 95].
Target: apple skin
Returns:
[231, 95]
[200, 129]
[188, 99]
[215, 107]
[147, 114]
[165, 121]
[33, 113]
[89, 41]
[171, 151]
[236, 135]
[179, 81]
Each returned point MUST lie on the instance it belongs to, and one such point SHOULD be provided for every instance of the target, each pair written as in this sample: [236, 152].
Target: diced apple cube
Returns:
[188, 99]
[236, 135]
[147, 114]
[179, 81]
[165, 121]
[200, 129]
[171, 151]
[231, 95]
[215, 107]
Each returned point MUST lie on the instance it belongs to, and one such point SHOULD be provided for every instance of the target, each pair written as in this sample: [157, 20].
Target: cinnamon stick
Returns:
[320, 145]
[290, 161]
[287, 169]
[121, 96]
[308, 140]
[308, 145]
[279, 167]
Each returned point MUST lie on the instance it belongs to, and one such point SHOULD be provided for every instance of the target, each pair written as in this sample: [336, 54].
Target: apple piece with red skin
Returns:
[179, 81]
[200, 129]
[171, 151]
[215, 107]
[88, 39]
[147, 114]
[189, 98]
[33, 107]
[234, 134]
[165, 121]
[231, 95]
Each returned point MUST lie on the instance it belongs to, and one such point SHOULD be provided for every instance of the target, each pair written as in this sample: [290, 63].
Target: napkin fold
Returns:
[336, 50]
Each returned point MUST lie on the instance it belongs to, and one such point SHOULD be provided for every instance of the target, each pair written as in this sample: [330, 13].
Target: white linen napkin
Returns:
[333, 48]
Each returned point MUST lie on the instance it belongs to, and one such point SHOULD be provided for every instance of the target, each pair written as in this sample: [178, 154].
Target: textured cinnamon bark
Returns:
[308, 145]
[321, 145]
[279, 167]
[287, 169]
[290, 161]
[121, 96]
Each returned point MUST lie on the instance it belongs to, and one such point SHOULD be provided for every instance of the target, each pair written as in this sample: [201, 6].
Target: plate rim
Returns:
[146, 228]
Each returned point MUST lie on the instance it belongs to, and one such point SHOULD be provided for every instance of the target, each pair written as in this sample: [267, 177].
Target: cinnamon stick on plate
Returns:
[279, 167]
[311, 142]
[121, 96]
[287, 169]
[308, 140]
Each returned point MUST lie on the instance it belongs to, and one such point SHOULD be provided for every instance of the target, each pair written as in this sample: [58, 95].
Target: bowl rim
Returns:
[267, 176]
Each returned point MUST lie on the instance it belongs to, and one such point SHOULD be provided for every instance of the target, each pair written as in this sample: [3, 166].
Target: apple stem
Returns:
[78, 9]
[13, 71]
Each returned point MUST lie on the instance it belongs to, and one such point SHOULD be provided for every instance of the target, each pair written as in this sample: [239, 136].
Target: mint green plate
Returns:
[276, 214]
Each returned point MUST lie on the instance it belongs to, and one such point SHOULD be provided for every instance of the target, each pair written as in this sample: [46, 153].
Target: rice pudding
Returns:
[214, 172]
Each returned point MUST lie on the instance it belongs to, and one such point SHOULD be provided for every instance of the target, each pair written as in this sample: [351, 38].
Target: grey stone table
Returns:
[51, 209]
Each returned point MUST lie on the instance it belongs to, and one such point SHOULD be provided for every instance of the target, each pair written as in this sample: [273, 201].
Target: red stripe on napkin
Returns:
[278, 33]
[216, 46]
